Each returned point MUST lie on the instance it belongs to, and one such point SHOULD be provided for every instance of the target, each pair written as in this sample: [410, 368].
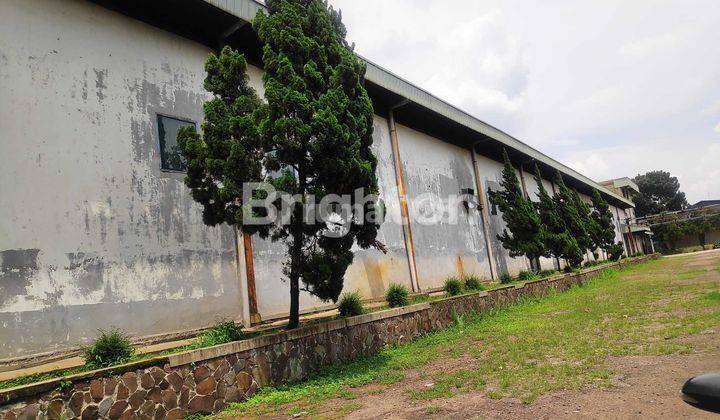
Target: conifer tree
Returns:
[318, 125]
[559, 243]
[313, 136]
[230, 152]
[587, 222]
[603, 234]
[570, 212]
[525, 236]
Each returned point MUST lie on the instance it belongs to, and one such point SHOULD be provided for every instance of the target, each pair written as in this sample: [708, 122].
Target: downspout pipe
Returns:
[402, 196]
[484, 215]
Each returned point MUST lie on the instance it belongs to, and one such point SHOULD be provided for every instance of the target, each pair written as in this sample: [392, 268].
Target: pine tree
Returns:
[318, 125]
[559, 243]
[603, 234]
[525, 236]
[586, 221]
[230, 152]
[313, 136]
[575, 224]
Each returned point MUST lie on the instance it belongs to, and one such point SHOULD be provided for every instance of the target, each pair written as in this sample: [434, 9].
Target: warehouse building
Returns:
[97, 228]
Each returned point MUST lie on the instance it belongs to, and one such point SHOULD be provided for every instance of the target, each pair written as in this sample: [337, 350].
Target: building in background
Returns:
[97, 228]
[637, 237]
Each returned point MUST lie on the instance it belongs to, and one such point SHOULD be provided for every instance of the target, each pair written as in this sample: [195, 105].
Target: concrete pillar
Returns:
[484, 214]
[402, 196]
[242, 278]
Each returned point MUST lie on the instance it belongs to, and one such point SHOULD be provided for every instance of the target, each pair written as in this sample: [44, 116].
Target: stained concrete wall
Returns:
[434, 168]
[92, 232]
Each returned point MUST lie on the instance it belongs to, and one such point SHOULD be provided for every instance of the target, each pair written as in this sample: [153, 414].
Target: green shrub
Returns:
[223, 331]
[547, 273]
[616, 252]
[396, 295]
[473, 283]
[506, 278]
[111, 347]
[350, 304]
[527, 276]
[453, 286]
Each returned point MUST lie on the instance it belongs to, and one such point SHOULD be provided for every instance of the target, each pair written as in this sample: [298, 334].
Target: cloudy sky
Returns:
[611, 88]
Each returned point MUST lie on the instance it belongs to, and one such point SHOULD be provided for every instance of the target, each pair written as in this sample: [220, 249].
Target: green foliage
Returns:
[111, 347]
[576, 238]
[527, 276]
[453, 286]
[506, 278]
[559, 243]
[659, 193]
[594, 263]
[603, 231]
[223, 331]
[41, 377]
[319, 122]
[524, 233]
[65, 385]
[713, 296]
[616, 251]
[312, 135]
[671, 232]
[230, 151]
[458, 319]
[350, 304]
[547, 273]
[473, 283]
[396, 295]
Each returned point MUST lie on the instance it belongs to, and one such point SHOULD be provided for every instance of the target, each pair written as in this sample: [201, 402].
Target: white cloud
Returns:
[595, 84]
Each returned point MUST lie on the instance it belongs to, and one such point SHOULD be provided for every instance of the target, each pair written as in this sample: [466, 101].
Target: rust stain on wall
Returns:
[460, 267]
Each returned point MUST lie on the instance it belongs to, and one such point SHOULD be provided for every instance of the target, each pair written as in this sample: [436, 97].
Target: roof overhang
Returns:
[626, 182]
[422, 110]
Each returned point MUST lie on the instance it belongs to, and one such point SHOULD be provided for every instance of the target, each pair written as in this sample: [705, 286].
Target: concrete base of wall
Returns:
[207, 380]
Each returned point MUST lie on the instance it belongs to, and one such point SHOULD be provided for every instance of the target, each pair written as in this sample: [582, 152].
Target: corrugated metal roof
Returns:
[247, 9]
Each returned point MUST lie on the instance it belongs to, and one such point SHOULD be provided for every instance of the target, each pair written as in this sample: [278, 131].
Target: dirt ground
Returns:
[646, 387]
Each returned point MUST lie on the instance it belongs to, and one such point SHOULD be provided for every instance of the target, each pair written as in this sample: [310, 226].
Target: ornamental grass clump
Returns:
[527, 276]
[351, 305]
[506, 278]
[473, 283]
[224, 331]
[453, 286]
[111, 347]
[396, 295]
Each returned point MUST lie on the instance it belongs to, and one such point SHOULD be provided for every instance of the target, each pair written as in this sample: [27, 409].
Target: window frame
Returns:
[158, 116]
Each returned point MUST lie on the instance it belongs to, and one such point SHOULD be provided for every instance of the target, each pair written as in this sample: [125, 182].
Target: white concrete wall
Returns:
[433, 167]
[92, 232]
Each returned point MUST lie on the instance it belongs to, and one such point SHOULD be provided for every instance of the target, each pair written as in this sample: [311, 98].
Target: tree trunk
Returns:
[295, 256]
[294, 318]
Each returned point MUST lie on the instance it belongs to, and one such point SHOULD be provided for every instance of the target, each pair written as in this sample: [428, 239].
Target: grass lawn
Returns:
[536, 346]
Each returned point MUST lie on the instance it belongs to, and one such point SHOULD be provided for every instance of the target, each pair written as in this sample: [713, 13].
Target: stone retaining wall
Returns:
[206, 380]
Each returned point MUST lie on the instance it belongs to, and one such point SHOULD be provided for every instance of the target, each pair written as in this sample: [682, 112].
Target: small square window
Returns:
[170, 155]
